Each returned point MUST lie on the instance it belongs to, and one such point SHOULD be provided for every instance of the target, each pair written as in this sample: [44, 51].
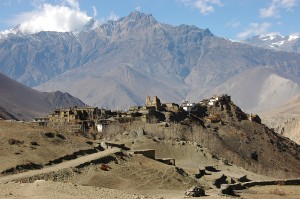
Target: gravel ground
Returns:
[48, 189]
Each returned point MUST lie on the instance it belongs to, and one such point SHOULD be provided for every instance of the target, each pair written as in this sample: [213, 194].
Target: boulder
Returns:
[141, 132]
[195, 191]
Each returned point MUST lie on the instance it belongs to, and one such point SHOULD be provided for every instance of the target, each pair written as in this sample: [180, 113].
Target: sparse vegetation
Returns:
[61, 136]
[13, 141]
[50, 135]
[34, 143]
[277, 192]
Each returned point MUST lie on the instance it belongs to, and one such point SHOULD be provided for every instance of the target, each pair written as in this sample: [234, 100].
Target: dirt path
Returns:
[57, 167]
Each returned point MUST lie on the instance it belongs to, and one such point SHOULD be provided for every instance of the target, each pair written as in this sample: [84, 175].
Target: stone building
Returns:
[219, 99]
[78, 118]
[187, 106]
[155, 103]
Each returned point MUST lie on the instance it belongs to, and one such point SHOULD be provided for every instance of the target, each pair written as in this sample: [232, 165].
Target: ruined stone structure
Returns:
[172, 107]
[254, 118]
[155, 103]
[41, 121]
[78, 118]
[150, 153]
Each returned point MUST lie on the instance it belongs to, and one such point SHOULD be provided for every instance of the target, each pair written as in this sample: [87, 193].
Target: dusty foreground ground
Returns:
[23, 143]
[271, 192]
[50, 189]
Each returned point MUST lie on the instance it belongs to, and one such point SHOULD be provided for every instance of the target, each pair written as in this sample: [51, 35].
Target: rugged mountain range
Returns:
[20, 102]
[290, 43]
[118, 63]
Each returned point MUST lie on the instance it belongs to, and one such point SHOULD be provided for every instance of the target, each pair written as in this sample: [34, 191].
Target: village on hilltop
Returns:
[93, 118]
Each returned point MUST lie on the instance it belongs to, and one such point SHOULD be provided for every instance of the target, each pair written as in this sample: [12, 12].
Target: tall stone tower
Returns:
[148, 101]
[156, 103]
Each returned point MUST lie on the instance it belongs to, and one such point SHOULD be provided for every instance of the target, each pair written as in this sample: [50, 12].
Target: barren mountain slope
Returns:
[26, 103]
[4, 114]
[121, 87]
[285, 119]
[260, 89]
[178, 61]
[229, 135]
[250, 144]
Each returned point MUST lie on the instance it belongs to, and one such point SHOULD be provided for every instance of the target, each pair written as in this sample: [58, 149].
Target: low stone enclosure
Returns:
[150, 153]
[229, 189]
[169, 161]
[112, 145]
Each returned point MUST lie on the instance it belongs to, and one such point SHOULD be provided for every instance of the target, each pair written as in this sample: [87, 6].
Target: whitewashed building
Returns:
[188, 106]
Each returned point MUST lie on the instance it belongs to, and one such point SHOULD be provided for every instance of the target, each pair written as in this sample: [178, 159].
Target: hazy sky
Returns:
[234, 19]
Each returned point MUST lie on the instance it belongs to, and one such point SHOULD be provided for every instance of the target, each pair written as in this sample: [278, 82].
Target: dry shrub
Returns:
[277, 192]
[15, 142]
[281, 183]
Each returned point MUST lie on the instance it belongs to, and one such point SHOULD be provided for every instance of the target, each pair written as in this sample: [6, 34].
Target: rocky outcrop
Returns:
[195, 191]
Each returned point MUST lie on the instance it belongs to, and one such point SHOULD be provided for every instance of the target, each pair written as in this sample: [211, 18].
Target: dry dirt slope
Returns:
[23, 143]
[130, 173]
[233, 137]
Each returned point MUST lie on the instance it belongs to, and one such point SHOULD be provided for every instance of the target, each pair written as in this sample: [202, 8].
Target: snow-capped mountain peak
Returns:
[17, 31]
[290, 43]
[6, 33]
[293, 37]
[270, 37]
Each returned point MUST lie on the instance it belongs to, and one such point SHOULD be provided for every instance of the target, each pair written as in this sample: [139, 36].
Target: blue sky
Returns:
[234, 19]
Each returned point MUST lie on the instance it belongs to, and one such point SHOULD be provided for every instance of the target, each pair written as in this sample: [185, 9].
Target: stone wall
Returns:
[229, 189]
[150, 153]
